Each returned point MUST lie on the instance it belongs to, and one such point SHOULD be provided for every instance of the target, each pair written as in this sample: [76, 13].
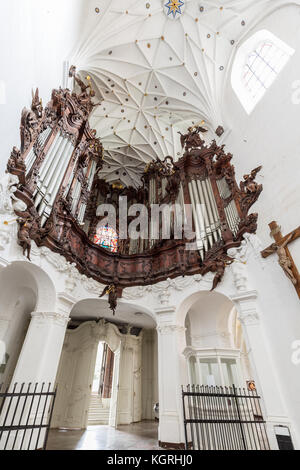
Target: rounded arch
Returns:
[126, 312]
[201, 296]
[31, 277]
[213, 344]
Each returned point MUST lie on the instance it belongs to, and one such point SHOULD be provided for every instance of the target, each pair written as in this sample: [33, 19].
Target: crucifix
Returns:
[284, 256]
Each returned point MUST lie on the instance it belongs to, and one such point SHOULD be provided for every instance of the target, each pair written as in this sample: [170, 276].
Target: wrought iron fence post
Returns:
[220, 418]
[24, 416]
[184, 420]
[239, 416]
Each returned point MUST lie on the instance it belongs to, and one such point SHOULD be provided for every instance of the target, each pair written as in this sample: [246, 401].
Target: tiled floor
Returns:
[140, 436]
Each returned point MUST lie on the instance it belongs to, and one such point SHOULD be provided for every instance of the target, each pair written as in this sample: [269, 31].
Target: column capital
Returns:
[167, 329]
[165, 310]
[247, 307]
[249, 295]
[57, 318]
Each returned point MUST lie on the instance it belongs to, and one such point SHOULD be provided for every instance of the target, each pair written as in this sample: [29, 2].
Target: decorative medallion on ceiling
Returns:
[174, 8]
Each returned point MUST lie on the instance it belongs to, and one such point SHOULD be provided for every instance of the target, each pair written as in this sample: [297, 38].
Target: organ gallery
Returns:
[149, 228]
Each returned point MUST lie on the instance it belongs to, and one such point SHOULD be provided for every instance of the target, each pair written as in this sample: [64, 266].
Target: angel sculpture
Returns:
[192, 139]
[111, 291]
[8, 186]
[219, 267]
[25, 226]
[84, 97]
[37, 104]
[249, 185]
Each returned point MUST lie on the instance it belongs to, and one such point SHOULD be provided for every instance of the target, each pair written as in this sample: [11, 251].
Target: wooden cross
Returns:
[284, 256]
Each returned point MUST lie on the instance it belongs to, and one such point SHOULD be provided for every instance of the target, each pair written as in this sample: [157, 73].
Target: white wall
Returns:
[17, 301]
[270, 136]
[36, 36]
[149, 374]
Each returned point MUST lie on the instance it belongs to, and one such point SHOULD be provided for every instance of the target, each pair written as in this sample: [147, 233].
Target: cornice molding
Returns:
[57, 318]
[170, 329]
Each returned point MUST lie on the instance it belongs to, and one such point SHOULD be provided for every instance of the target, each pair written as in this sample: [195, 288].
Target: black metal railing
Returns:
[223, 418]
[25, 416]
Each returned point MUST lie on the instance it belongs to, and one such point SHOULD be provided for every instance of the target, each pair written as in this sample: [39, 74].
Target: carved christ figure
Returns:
[283, 259]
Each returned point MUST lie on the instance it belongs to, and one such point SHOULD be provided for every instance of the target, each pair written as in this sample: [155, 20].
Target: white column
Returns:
[40, 354]
[37, 364]
[171, 428]
[262, 362]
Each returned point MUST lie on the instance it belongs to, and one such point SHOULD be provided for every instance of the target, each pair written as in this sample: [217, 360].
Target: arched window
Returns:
[107, 237]
[257, 64]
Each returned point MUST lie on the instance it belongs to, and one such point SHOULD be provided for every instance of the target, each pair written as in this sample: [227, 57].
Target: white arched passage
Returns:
[130, 335]
[215, 350]
[25, 288]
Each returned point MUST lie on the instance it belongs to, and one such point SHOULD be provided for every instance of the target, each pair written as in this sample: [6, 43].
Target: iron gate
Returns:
[223, 418]
[25, 416]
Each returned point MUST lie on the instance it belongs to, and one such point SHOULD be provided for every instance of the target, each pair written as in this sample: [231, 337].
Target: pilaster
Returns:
[262, 361]
[170, 410]
[40, 354]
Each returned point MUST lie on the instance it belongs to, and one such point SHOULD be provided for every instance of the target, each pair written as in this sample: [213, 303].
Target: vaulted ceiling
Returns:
[159, 66]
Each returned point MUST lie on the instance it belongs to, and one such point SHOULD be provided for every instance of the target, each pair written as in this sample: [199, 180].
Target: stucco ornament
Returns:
[73, 276]
[239, 267]
[254, 242]
[162, 290]
[8, 204]
[8, 200]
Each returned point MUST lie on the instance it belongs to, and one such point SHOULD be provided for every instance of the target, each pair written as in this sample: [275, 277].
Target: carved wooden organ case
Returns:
[59, 168]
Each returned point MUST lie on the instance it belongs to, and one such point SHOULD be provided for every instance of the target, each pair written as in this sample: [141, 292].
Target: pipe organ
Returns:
[200, 209]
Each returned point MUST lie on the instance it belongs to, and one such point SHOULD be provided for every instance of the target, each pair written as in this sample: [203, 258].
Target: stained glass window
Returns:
[107, 237]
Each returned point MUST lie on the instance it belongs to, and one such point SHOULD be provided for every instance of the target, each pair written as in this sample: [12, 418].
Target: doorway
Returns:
[101, 396]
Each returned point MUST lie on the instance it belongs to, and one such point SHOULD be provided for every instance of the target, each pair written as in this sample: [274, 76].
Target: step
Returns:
[99, 413]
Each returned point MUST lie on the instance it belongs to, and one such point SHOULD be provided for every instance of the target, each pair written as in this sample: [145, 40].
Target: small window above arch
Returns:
[256, 66]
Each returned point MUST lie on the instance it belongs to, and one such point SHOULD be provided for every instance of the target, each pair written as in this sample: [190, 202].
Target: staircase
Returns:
[98, 414]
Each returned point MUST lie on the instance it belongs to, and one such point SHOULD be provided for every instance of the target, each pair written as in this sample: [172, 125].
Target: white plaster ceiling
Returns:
[126, 313]
[157, 74]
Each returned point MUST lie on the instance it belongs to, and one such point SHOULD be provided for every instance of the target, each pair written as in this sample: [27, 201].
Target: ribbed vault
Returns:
[157, 74]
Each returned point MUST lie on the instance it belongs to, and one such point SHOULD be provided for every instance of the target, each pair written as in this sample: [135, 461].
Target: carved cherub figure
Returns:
[192, 139]
[249, 185]
[37, 105]
[25, 226]
[219, 267]
[111, 291]
[84, 97]
[8, 186]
